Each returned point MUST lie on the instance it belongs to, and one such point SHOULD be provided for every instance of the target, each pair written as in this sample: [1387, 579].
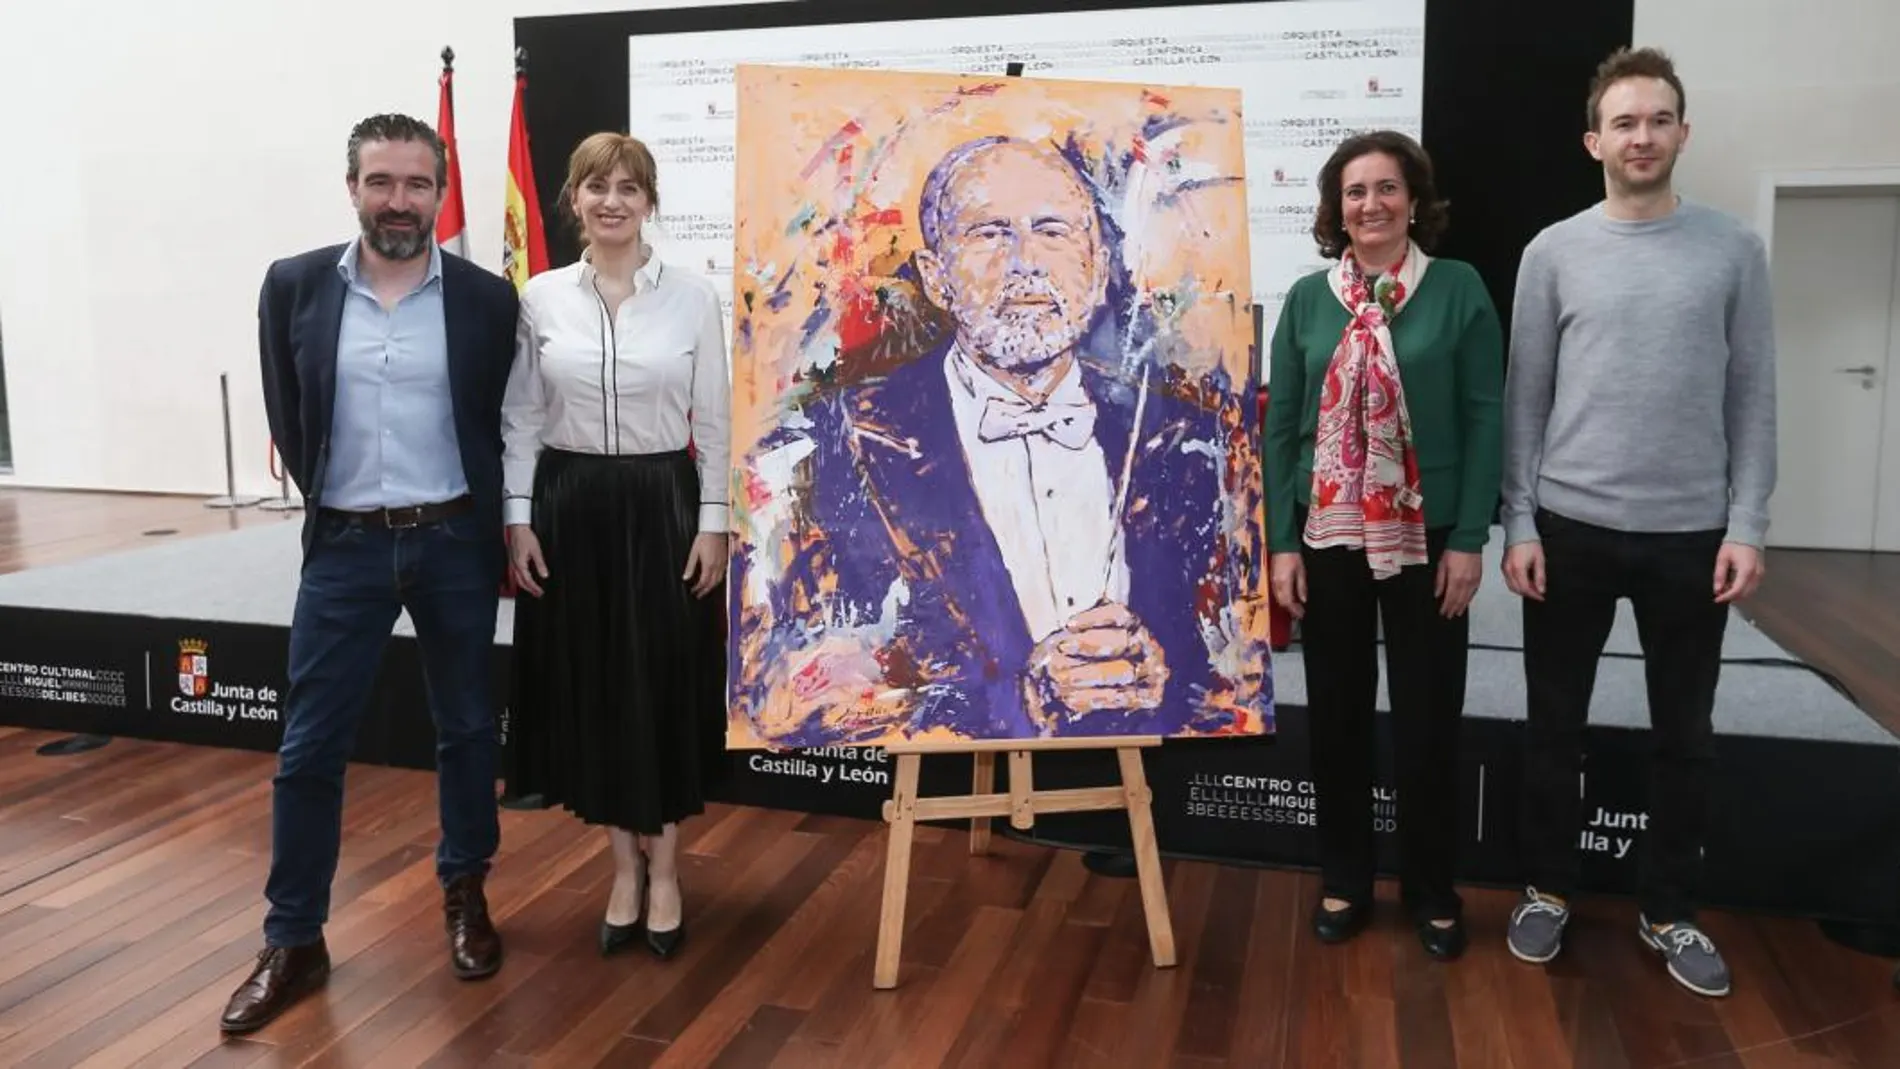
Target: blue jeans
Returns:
[356, 579]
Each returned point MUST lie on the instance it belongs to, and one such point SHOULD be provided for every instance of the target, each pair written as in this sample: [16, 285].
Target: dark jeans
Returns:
[355, 581]
[1425, 655]
[1670, 581]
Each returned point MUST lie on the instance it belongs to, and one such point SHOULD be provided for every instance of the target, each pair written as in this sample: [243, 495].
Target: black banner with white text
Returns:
[1777, 842]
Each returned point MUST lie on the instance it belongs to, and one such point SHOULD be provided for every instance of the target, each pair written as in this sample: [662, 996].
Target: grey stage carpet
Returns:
[250, 576]
[1765, 690]
[247, 576]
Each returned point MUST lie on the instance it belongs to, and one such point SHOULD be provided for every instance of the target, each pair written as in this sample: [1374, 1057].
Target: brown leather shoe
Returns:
[474, 945]
[282, 976]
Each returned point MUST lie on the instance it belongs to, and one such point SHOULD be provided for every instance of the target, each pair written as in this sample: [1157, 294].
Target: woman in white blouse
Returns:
[617, 534]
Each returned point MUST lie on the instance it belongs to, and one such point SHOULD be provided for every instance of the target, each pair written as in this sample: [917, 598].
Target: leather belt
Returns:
[407, 516]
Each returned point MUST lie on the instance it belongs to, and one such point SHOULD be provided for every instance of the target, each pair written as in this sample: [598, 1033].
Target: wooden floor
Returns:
[42, 527]
[130, 899]
[1839, 612]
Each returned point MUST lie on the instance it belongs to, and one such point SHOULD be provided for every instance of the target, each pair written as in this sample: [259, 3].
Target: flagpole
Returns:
[451, 224]
[524, 237]
[535, 800]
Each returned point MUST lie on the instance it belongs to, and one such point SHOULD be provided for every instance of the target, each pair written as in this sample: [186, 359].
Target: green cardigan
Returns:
[1451, 360]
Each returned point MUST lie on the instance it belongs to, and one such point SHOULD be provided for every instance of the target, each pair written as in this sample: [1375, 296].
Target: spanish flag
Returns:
[526, 254]
[451, 226]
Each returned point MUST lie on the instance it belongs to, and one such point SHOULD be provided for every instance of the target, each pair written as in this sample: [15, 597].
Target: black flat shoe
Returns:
[617, 937]
[664, 944]
[1337, 926]
[1443, 944]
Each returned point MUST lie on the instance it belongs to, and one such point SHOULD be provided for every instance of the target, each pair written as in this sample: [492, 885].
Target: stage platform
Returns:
[1806, 815]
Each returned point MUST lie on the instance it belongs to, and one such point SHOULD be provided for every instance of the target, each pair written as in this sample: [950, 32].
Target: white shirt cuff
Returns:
[713, 519]
[516, 510]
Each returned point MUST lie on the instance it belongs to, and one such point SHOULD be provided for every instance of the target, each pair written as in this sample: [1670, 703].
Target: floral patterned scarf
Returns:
[1365, 470]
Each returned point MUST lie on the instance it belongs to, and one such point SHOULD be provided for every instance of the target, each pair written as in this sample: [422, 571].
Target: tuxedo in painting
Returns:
[886, 505]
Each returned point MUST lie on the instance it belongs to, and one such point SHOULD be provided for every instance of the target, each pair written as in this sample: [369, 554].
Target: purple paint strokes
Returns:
[816, 321]
[781, 294]
[1194, 184]
[951, 103]
[1156, 125]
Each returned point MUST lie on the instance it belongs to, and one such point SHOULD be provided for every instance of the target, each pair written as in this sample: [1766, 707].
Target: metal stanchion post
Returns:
[283, 502]
[230, 500]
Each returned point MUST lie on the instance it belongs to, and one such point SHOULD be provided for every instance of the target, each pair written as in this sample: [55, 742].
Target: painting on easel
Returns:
[993, 413]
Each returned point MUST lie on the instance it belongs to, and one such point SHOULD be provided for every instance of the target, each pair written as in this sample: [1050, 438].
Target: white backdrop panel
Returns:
[1310, 72]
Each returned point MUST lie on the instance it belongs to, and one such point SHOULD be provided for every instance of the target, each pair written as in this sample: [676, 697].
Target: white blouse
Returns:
[667, 381]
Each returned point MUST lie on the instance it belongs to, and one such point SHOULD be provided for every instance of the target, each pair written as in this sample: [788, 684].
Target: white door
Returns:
[1834, 283]
[1887, 523]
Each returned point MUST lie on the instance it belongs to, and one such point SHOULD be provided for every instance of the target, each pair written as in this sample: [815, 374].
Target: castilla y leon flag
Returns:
[526, 254]
[451, 223]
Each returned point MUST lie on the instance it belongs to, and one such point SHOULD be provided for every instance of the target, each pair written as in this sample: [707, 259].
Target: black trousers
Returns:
[1670, 581]
[1425, 655]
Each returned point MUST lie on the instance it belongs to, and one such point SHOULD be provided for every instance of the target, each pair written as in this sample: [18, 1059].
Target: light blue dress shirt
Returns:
[392, 436]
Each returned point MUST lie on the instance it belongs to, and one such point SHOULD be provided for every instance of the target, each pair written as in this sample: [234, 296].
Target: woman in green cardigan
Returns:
[1383, 454]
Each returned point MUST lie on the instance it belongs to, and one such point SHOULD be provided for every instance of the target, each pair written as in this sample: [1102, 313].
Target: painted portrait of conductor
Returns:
[1036, 525]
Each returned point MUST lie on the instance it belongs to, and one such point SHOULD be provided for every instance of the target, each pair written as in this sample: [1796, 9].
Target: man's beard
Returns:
[394, 244]
[1023, 337]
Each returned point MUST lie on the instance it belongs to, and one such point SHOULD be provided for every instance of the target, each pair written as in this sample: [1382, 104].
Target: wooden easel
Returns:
[1020, 805]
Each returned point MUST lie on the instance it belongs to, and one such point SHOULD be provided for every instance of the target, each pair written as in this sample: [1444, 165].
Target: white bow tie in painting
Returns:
[1068, 425]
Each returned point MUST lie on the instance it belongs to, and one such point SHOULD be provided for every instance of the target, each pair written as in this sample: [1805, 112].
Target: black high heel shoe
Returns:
[665, 944]
[617, 937]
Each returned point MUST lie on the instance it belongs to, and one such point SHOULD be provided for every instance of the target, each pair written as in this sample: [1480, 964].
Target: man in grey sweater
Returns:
[1639, 460]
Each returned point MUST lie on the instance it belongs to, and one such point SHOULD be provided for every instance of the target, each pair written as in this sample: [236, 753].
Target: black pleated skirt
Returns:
[617, 706]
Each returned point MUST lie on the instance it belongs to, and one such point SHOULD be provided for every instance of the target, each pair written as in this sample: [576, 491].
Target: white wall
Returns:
[159, 156]
[1778, 85]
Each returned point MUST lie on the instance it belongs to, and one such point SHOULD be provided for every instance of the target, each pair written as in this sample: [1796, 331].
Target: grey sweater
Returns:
[1641, 388]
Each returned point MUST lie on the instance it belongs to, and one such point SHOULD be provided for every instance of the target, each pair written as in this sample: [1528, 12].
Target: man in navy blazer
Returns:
[1006, 537]
[384, 363]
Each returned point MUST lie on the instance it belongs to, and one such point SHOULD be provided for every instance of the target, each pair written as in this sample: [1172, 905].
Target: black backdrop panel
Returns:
[1775, 843]
[1503, 109]
[207, 683]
